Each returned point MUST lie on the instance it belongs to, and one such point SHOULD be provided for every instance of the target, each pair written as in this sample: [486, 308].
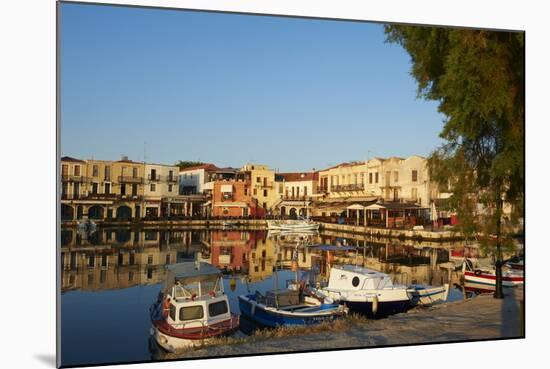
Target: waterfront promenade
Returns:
[479, 318]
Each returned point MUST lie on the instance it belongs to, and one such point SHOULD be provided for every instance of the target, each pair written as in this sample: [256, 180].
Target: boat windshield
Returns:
[197, 288]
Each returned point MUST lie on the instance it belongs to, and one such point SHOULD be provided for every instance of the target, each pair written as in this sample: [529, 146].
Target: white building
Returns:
[161, 181]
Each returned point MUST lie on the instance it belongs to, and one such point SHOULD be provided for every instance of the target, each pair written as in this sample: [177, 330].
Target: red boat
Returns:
[487, 275]
[193, 307]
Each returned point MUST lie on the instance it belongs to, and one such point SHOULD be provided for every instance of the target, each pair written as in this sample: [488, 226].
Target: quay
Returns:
[479, 318]
[261, 224]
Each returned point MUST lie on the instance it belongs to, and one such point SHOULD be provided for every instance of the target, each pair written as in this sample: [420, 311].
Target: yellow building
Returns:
[263, 185]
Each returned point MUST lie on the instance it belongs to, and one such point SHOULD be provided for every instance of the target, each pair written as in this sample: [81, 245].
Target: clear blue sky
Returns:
[294, 94]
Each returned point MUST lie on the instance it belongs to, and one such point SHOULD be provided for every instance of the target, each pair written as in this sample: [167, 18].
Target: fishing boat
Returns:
[373, 293]
[295, 225]
[192, 308]
[486, 275]
[289, 306]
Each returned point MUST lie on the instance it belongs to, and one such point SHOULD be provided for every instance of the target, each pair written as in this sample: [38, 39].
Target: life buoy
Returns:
[477, 272]
[212, 293]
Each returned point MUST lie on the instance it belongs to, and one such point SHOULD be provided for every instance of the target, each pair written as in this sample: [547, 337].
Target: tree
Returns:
[183, 164]
[478, 78]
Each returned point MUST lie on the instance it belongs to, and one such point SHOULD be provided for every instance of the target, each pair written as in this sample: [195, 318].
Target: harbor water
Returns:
[111, 277]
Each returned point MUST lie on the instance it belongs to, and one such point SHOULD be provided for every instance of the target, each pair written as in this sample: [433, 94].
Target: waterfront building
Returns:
[233, 198]
[161, 190]
[356, 185]
[262, 182]
[99, 189]
[198, 179]
[297, 191]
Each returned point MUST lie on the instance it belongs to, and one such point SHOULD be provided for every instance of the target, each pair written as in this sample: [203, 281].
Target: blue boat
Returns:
[287, 307]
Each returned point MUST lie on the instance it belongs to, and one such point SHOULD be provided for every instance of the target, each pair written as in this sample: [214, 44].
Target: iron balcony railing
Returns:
[73, 178]
[348, 187]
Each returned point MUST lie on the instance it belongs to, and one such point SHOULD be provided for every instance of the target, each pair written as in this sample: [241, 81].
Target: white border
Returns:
[27, 145]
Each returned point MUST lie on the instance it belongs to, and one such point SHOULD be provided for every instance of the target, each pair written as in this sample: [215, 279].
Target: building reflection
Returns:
[122, 258]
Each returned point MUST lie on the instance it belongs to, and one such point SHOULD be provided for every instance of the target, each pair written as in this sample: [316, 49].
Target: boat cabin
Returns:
[351, 277]
[196, 294]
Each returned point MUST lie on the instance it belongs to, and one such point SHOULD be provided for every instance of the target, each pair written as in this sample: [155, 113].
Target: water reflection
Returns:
[115, 274]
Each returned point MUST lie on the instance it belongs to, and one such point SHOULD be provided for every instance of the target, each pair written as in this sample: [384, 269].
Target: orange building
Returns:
[233, 199]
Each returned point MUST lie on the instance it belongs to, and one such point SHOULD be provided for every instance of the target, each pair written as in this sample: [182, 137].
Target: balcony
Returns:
[172, 179]
[72, 178]
[154, 178]
[127, 179]
[296, 198]
[348, 187]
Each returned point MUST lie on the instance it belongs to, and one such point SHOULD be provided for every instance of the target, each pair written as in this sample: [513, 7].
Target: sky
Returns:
[295, 94]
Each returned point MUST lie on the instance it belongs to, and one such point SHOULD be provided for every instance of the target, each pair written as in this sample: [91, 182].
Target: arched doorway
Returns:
[123, 235]
[293, 214]
[67, 212]
[124, 212]
[96, 212]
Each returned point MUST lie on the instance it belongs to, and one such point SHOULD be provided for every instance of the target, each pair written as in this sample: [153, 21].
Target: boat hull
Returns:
[383, 310]
[171, 339]
[269, 317]
[489, 279]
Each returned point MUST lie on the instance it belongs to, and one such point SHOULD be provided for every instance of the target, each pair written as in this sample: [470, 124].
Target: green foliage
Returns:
[183, 164]
[477, 76]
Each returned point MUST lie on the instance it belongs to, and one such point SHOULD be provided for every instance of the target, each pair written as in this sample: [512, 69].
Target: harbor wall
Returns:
[404, 234]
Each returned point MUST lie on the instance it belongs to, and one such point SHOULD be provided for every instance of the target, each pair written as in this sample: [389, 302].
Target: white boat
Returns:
[373, 293]
[486, 275]
[292, 225]
[192, 309]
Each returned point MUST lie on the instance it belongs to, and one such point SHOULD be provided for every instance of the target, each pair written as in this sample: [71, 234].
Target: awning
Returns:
[356, 207]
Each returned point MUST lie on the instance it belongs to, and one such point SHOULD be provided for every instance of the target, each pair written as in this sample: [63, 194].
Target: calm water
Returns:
[110, 278]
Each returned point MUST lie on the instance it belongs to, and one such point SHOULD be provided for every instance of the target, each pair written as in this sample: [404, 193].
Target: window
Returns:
[415, 175]
[107, 173]
[134, 172]
[376, 177]
[414, 193]
[191, 312]
[217, 308]
[370, 178]
[265, 193]
[64, 170]
[170, 188]
[153, 187]
[95, 171]
[130, 276]
[168, 259]
[134, 189]
[246, 191]
[94, 188]
[305, 190]
[150, 259]
[172, 312]
[258, 180]
[255, 192]
[395, 176]
[264, 205]
[77, 170]
[170, 175]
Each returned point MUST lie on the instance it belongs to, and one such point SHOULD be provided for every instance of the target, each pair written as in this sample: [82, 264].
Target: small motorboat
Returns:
[373, 293]
[192, 309]
[486, 275]
[296, 225]
[293, 305]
